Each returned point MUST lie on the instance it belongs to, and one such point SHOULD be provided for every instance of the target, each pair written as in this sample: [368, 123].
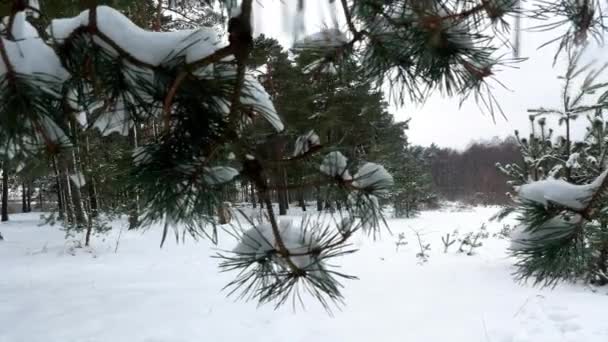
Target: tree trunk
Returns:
[61, 202]
[319, 200]
[23, 197]
[29, 197]
[40, 200]
[253, 199]
[301, 199]
[134, 201]
[79, 214]
[5, 192]
[67, 196]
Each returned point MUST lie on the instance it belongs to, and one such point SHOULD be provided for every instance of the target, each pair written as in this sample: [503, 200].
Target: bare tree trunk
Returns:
[29, 196]
[67, 196]
[253, 198]
[5, 192]
[60, 191]
[301, 199]
[134, 202]
[79, 214]
[40, 200]
[23, 197]
[319, 200]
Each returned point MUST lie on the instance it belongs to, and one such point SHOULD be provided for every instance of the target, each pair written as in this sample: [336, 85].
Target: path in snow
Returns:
[145, 294]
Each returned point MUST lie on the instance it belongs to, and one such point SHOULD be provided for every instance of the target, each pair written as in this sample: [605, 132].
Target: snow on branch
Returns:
[575, 197]
[373, 178]
[219, 175]
[329, 38]
[28, 55]
[254, 95]
[270, 273]
[335, 165]
[306, 143]
[152, 48]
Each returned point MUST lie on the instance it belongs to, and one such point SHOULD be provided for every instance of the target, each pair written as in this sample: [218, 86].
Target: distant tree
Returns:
[413, 182]
[5, 174]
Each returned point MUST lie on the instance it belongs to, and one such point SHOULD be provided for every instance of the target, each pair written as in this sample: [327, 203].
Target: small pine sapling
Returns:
[504, 233]
[400, 241]
[422, 256]
[447, 242]
[471, 240]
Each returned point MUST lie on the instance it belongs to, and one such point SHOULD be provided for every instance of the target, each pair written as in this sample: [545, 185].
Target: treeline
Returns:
[471, 175]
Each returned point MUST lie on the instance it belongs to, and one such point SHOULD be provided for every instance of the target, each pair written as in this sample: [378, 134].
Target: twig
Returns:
[118, 240]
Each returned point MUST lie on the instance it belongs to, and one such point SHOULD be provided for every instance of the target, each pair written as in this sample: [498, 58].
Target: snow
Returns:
[29, 55]
[260, 240]
[256, 96]
[560, 192]
[572, 161]
[115, 120]
[373, 177]
[219, 174]
[334, 165]
[154, 48]
[305, 143]
[78, 179]
[35, 4]
[328, 38]
[141, 293]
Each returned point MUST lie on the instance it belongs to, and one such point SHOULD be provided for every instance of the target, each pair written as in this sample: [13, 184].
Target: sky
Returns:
[441, 120]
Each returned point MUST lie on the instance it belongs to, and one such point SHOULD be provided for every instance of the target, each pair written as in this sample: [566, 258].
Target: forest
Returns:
[158, 156]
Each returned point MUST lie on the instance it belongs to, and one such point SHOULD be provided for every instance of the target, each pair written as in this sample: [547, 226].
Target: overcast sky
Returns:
[440, 120]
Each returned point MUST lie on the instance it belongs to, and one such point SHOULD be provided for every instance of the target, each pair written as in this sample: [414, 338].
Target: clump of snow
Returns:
[154, 48]
[219, 174]
[572, 161]
[555, 170]
[33, 8]
[115, 120]
[329, 38]
[306, 142]
[260, 242]
[29, 55]
[334, 165]
[256, 96]
[560, 192]
[373, 178]
[78, 179]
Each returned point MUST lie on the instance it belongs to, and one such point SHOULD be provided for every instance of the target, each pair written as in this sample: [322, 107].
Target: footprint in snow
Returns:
[537, 322]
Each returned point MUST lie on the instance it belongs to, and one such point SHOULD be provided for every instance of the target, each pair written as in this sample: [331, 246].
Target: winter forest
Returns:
[331, 170]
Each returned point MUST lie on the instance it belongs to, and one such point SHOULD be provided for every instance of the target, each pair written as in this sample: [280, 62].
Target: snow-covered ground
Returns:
[143, 293]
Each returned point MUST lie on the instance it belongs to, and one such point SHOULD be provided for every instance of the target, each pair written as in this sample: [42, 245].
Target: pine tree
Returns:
[413, 184]
[561, 189]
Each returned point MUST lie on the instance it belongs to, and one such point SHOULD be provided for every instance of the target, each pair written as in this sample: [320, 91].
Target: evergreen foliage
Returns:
[197, 115]
[561, 188]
